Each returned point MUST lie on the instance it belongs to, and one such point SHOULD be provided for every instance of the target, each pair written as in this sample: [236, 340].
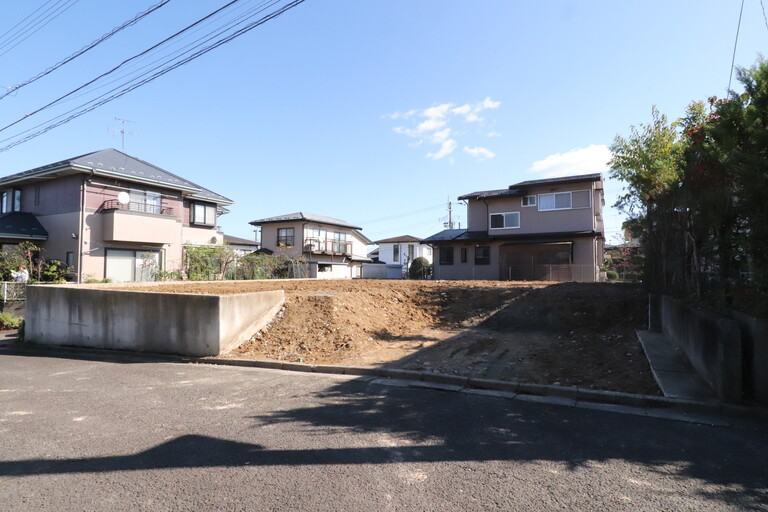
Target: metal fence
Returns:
[561, 273]
[13, 291]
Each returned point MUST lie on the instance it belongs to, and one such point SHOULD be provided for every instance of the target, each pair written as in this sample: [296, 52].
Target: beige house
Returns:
[334, 248]
[550, 229]
[109, 215]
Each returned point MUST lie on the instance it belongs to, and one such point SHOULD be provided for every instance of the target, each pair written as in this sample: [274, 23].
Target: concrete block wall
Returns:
[711, 342]
[171, 323]
[741, 349]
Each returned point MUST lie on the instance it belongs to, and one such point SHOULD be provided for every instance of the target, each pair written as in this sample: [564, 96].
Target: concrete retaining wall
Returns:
[711, 342]
[170, 323]
[730, 351]
[754, 340]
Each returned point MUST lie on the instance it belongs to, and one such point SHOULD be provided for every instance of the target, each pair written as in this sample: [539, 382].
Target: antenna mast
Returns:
[123, 132]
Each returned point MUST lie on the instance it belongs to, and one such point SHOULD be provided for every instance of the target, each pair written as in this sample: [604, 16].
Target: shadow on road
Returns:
[454, 427]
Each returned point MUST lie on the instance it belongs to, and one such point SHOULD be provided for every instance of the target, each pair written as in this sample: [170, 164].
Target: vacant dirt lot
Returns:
[548, 333]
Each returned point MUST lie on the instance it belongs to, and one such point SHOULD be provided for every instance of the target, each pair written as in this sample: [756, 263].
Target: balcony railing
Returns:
[152, 209]
[319, 246]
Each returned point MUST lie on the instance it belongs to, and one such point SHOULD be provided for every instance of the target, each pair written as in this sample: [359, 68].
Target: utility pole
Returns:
[449, 224]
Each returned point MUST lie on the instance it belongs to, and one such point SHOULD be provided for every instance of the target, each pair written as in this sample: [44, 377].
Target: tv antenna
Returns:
[123, 133]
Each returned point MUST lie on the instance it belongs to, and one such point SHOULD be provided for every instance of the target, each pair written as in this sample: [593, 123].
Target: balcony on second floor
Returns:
[138, 222]
[133, 206]
[328, 246]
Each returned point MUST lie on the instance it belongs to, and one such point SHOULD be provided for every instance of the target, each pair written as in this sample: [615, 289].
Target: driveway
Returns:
[132, 434]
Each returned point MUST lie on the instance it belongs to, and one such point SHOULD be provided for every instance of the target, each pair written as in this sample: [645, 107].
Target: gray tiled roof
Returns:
[21, 225]
[397, 239]
[446, 234]
[519, 189]
[111, 162]
[462, 235]
[308, 217]
[559, 181]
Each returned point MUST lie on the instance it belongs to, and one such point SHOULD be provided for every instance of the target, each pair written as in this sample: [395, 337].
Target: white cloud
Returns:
[446, 148]
[437, 112]
[577, 161]
[479, 153]
[435, 126]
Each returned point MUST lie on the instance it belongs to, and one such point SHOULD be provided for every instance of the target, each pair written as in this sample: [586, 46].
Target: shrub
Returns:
[420, 268]
[611, 275]
[8, 321]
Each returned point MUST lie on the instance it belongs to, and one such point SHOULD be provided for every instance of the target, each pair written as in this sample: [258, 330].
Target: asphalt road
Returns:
[134, 435]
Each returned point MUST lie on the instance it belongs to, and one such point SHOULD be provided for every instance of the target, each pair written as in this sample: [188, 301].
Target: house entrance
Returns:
[536, 262]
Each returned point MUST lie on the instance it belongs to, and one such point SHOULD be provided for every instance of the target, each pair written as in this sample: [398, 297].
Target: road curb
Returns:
[615, 401]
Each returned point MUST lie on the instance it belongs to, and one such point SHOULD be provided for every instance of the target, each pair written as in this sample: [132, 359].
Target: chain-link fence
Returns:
[13, 291]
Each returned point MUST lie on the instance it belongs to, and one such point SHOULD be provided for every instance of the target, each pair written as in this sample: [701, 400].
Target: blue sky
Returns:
[378, 112]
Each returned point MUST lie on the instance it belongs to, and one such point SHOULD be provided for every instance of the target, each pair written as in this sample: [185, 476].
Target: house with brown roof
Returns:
[548, 229]
[109, 215]
[402, 250]
[333, 248]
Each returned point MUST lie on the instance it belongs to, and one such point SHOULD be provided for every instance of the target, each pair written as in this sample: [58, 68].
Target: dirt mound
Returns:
[549, 333]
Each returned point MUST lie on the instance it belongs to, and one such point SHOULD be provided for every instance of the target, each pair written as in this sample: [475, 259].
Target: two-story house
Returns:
[549, 229]
[334, 248]
[402, 250]
[109, 215]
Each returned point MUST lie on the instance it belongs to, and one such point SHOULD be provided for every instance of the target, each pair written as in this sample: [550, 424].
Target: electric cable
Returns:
[40, 24]
[138, 17]
[88, 108]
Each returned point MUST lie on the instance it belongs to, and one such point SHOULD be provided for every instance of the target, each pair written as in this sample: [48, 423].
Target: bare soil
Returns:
[571, 334]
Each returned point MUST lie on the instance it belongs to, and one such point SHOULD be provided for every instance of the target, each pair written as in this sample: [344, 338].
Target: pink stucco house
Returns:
[109, 215]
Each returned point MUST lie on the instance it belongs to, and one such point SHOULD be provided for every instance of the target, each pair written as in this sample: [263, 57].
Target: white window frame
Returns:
[570, 200]
[504, 217]
[529, 201]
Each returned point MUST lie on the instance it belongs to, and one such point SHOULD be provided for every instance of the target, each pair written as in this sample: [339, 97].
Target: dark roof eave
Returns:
[484, 237]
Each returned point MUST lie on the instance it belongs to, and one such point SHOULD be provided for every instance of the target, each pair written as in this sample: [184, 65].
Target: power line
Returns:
[40, 22]
[13, 89]
[764, 17]
[57, 100]
[85, 108]
[733, 60]
[405, 214]
[173, 55]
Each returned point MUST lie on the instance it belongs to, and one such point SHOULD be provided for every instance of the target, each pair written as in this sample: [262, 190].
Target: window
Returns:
[318, 240]
[11, 200]
[124, 265]
[70, 259]
[410, 252]
[529, 201]
[145, 202]
[203, 214]
[482, 255]
[339, 242]
[505, 220]
[564, 200]
[396, 253]
[446, 255]
[285, 237]
[463, 254]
